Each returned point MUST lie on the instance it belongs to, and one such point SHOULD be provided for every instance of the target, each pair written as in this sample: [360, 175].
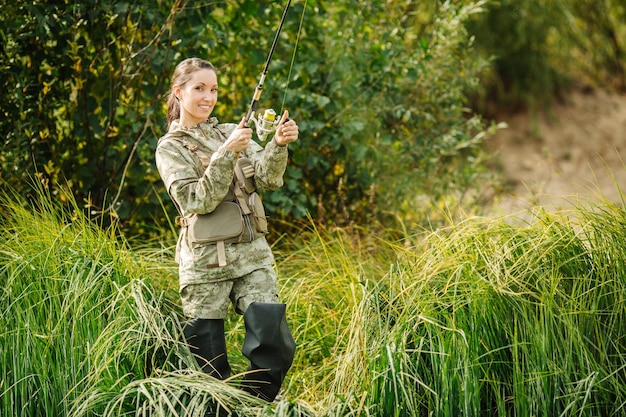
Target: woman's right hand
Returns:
[240, 138]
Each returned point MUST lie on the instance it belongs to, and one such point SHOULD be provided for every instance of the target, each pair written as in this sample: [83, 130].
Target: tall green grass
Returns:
[480, 318]
[88, 326]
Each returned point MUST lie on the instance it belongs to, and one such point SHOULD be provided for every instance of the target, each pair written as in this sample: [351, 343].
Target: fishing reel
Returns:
[265, 124]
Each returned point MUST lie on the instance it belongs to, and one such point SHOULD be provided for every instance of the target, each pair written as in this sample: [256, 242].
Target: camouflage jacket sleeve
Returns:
[193, 188]
[269, 164]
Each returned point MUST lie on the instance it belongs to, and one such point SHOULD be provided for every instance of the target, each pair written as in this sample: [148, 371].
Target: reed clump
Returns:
[480, 318]
[90, 326]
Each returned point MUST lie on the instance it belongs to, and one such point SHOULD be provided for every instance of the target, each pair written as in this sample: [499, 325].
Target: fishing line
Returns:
[293, 57]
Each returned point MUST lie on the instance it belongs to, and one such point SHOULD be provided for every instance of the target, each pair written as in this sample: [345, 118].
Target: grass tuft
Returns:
[480, 318]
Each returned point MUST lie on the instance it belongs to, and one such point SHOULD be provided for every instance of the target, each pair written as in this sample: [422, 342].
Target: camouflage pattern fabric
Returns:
[195, 188]
[210, 300]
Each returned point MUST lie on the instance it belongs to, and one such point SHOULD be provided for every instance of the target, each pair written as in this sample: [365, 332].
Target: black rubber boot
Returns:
[269, 346]
[207, 343]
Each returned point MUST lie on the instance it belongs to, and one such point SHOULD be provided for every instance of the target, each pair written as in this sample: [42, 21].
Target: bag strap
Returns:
[192, 147]
[221, 253]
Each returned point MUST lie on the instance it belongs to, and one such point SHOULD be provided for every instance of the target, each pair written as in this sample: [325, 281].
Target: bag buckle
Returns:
[181, 221]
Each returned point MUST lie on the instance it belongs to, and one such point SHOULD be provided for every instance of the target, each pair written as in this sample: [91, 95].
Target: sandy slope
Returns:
[575, 152]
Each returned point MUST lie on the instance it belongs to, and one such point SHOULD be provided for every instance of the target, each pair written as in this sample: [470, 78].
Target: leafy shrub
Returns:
[84, 90]
[540, 48]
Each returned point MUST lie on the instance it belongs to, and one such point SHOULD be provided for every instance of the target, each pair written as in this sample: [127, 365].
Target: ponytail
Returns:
[173, 108]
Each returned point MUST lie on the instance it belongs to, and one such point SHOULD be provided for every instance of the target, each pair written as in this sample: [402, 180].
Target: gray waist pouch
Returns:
[225, 223]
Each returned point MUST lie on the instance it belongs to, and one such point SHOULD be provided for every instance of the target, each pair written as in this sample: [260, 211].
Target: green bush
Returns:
[540, 48]
[84, 89]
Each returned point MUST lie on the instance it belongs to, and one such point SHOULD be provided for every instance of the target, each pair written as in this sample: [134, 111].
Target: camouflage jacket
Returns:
[196, 188]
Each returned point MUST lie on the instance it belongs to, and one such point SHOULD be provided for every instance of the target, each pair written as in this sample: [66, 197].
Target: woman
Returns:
[212, 172]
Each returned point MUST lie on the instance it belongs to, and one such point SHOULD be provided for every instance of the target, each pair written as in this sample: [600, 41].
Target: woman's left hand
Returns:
[287, 131]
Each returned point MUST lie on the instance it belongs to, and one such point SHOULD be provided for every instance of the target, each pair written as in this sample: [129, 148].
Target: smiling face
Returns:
[197, 97]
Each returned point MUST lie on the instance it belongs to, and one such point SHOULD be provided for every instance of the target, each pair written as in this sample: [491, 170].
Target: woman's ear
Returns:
[176, 90]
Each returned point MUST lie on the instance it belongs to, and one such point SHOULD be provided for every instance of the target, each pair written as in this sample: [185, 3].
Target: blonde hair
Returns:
[181, 76]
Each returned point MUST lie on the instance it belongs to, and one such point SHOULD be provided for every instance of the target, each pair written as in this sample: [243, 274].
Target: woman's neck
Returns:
[188, 122]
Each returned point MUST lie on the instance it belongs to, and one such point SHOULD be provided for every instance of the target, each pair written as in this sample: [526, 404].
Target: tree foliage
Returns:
[81, 98]
[540, 47]
[84, 86]
[379, 90]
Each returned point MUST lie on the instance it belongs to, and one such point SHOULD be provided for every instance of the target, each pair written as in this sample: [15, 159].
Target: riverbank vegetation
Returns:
[480, 317]
[404, 296]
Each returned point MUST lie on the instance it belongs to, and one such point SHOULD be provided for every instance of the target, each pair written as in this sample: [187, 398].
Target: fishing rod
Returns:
[266, 123]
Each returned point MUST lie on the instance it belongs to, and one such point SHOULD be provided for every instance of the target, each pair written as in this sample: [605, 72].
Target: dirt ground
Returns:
[573, 153]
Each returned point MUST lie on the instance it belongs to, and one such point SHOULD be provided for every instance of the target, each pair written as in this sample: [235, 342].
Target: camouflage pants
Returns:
[210, 300]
